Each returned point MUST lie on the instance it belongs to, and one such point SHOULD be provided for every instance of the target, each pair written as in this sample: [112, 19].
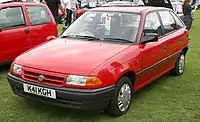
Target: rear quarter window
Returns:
[179, 23]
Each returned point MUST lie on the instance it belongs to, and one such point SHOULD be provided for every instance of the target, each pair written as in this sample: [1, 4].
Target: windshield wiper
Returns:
[82, 37]
[119, 40]
[66, 36]
[87, 37]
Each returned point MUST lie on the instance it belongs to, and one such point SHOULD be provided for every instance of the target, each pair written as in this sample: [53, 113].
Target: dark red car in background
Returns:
[79, 12]
[23, 26]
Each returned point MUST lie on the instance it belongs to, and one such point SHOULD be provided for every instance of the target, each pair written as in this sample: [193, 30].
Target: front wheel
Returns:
[179, 66]
[121, 98]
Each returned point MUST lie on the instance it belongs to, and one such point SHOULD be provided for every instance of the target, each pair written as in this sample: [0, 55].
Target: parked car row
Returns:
[86, 5]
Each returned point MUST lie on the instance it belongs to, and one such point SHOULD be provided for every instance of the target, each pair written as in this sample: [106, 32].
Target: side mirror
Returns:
[1, 29]
[149, 37]
[50, 38]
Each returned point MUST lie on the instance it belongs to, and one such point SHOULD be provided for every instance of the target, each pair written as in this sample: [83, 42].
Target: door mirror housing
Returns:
[1, 29]
[50, 38]
[149, 37]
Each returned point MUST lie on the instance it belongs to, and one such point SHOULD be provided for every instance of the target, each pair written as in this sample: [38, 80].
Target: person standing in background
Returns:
[54, 6]
[79, 3]
[187, 11]
[75, 6]
[67, 7]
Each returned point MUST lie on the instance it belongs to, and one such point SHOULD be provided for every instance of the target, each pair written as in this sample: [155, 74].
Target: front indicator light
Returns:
[83, 81]
[93, 81]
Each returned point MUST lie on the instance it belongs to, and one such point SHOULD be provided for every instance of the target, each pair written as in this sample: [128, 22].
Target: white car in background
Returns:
[177, 6]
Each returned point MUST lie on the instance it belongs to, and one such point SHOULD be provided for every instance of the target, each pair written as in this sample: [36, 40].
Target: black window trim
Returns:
[21, 26]
[166, 34]
[163, 34]
[45, 9]
[177, 18]
[162, 28]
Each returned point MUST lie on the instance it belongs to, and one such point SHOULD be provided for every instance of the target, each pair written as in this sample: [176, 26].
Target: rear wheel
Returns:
[179, 66]
[121, 98]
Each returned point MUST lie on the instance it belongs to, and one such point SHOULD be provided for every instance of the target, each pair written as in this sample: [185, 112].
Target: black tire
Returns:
[113, 109]
[176, 70]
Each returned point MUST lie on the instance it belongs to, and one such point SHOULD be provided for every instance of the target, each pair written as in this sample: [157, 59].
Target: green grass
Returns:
[169, 99]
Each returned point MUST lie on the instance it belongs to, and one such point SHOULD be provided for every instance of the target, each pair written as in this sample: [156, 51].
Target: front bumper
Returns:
[81, 99]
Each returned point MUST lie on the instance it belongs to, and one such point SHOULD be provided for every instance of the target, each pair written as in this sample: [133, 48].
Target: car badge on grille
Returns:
[40, 78]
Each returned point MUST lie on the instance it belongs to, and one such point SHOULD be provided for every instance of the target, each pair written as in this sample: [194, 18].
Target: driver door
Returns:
[152, 53]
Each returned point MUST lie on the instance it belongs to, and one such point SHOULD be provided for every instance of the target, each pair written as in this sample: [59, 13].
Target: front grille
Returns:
[50, 78]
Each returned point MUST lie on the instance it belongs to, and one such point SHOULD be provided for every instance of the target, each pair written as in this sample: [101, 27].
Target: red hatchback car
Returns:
[23, 26]
[114, 52]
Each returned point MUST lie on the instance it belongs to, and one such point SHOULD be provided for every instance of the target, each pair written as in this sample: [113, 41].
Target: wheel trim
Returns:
[124, 97]
[181, 63]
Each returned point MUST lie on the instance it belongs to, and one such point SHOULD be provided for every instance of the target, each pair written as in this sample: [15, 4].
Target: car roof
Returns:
[124, 3]
[136, 9]
[119, 2]
[17, 4]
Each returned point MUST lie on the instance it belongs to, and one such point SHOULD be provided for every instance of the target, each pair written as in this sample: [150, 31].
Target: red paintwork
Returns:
[107, 61]
[14, 41]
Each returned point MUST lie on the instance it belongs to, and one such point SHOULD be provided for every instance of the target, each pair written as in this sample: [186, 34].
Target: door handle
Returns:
[181, 39]
[164, 48]
[26, 31]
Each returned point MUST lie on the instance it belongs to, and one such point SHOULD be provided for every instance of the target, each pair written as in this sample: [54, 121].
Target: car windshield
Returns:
[109, 26]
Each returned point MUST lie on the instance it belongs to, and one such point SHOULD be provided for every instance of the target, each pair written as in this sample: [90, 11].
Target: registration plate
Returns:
[41, 91]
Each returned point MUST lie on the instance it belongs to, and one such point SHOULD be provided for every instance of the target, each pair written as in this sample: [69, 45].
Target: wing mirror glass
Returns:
[149, 37]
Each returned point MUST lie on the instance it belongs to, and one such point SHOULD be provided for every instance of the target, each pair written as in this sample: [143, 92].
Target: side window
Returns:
[12, 17]
[152, 25]
[38, 15]
[179, 24]
[168, 21]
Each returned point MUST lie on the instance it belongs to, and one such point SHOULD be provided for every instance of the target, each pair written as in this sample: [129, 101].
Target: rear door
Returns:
[41, 23]
[174, 34]
[14, 39]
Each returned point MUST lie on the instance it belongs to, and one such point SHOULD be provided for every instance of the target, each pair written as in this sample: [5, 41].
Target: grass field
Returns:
[169, 99]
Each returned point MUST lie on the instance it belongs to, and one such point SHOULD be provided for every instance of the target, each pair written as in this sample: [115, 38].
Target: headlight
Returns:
[83, 81]
[16, 69]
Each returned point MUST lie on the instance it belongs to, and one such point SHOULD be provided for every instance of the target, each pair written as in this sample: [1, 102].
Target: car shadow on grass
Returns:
[4, 68]
[65, 113]
[151, 86]
[61, 112]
